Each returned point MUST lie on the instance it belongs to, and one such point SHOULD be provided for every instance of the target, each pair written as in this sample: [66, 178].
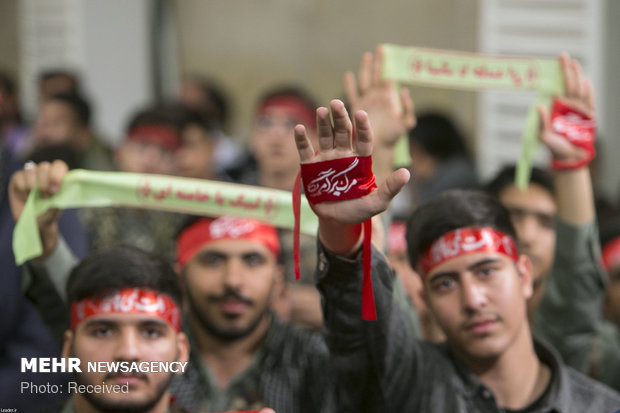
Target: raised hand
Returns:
[580, 96]
[47, 178]
[337, 219]
[390, 112]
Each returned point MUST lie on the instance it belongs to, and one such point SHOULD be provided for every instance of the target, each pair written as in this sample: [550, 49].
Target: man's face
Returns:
[478, 299]
[56, 124]
[194, 158]
[125, 337]
[533, 216]
[229, 286]
[272, 142]
[144, 157]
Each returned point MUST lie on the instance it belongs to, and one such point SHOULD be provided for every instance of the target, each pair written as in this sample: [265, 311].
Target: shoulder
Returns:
[589, 393]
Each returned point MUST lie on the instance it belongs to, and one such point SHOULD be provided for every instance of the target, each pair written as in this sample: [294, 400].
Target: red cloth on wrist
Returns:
[578, 128]
[332, 181]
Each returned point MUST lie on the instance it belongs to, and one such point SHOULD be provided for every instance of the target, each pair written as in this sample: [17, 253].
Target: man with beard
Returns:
[242, 356]
[125, 307]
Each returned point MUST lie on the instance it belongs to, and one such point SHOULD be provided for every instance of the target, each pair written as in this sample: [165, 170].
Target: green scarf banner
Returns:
[470, 71]
[82, 189]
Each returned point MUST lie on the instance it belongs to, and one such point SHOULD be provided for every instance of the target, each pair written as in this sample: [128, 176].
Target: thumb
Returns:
[393, 185]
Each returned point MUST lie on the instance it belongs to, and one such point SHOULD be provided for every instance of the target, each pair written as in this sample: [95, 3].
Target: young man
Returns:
[556, 227]
[476, 284]
[126, 308]
[533, 213]
[243, 357]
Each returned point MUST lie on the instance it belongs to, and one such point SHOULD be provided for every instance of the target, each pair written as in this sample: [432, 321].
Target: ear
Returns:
[182, 347]
[66, 343]
[524, 266]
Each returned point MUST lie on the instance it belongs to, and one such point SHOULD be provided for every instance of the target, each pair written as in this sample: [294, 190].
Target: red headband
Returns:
[161, 135]
[611, 254]
[297, 107]
[128, 301]
[466, 241]
[207, 230]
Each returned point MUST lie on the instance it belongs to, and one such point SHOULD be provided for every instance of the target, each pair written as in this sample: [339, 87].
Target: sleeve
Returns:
[374, 362]
[45, 287]
[569, 316]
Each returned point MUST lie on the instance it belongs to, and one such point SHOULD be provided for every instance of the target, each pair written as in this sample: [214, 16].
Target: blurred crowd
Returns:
[254, 336]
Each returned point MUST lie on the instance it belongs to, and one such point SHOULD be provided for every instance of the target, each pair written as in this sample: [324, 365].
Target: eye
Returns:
[486, 271]
[152, 332]
[210, 259]
[101, 331]
[254, 260]
[546, 221]
[443, 284]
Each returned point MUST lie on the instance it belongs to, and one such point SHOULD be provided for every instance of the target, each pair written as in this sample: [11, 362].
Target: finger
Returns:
[43, 178]
[364, 134]
[350, 88]
[30, 175]
[342, 125]
[304, 146]
[365, 74]
[324, 129]
[569, 75]
[391, 187]
[57, 173]
[377, 65]
[545, 123]
[579, 80]
[408, 109]
[589, 96]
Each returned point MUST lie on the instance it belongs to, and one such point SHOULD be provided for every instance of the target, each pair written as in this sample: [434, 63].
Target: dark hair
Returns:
[52, 152]
[78, 104]
[292, 91]
[110, 270]
[452, 210]
[73, 77]
[506, 177]
[439, 136]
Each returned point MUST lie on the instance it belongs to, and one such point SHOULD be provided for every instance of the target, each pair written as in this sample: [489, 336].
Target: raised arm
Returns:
[569, 315]
[374, 362]
[390, 111]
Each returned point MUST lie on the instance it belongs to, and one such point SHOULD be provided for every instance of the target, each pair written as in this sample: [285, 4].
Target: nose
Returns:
[233, 273]
[128, 344]
[473, 294]
[527, 230]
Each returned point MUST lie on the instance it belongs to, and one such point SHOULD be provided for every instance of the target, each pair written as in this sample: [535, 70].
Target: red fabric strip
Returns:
[206, 230]
[466, 241]
[338, 179]
[158, 134]
[369, 312]
[128, 301]
[332, 181]
[578, 128]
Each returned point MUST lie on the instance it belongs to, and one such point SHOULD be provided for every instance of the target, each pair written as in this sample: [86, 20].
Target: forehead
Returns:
[535, 198]
[279, 111]
[464, 262]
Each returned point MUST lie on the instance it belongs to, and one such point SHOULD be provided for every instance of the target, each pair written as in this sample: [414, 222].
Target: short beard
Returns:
[225, 335]
[122, 406]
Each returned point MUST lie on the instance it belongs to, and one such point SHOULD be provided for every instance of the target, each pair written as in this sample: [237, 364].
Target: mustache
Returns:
[478, 318]
[230, 294]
